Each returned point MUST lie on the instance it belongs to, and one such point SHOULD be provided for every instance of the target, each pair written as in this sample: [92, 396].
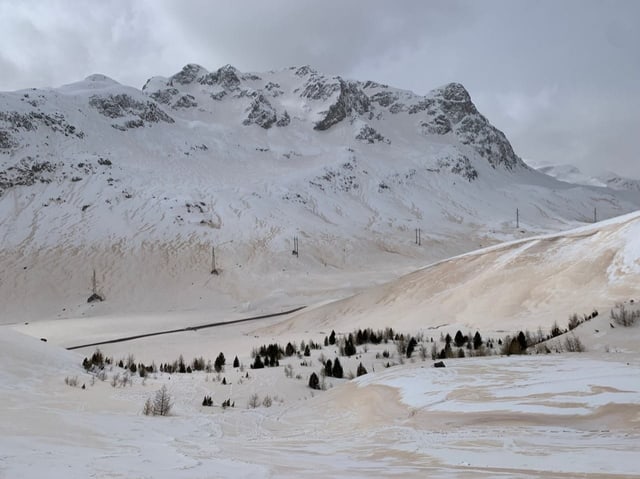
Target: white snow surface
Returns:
[524, 417]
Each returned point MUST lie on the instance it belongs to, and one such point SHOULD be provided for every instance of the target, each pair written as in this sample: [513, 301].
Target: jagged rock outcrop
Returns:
[370, 135]
[351, 100]
[122, 105]
[188, 74]
[227, 77]
[261, 113]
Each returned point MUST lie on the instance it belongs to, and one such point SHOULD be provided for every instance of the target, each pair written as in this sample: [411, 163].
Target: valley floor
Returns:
[557, 415]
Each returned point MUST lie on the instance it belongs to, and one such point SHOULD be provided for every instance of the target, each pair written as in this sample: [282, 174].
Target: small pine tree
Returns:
[477, 340]
[337, 371]
[289, 350]
[307, 351]
[328, 368]
[411, 346]
[361, 370]
[236, 362]
[219, 363]
[332, 338]
[326, 341]
[257, 363]
[314, 382]
[459, 339]
[522, 341]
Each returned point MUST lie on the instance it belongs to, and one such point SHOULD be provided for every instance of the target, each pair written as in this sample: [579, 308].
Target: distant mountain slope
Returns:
[140, 184]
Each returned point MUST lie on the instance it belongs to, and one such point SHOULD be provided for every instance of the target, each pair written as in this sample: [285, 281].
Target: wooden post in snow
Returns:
[214, 270]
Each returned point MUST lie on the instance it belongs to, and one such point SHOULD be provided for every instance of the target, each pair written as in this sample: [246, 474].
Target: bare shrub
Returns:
[147, 409]
[573, 344]
[115, 380]
[71, 381]
[162, 402]
[288, 371]
[623, 316]
[267, 401]
[254, 401]
[574, 322]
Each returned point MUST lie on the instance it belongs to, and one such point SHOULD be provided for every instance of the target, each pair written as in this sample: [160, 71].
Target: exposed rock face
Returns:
[261, 113]
[459, 165]
[227, 77]
[451, 110]
[164, 96]
[351, 100]
[186, 101]
[121, 105]
[370, 135]
[188, 74]
[284, 120]
[26, 173]
[31, 121]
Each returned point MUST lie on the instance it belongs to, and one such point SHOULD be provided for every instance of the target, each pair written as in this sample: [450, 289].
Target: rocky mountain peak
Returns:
[453, 92]
[188, 74]
[228, 77]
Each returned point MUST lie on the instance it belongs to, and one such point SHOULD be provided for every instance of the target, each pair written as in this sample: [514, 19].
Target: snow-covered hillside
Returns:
[141, 184]
[525, 284]
[573, 174]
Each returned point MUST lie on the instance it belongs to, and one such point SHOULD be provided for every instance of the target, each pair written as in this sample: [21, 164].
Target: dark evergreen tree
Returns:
[477, 340]
[447, 339]
[349, 347]
[236, 362]
[326, 341]
[307, 351]
[332, 337]
[411, 346]
[289, 350]
[257, 363]
[314, 382]
[459, 339]
[337, 369]
[522, 341]
[361, 370]
[219, 363]
[328, 368]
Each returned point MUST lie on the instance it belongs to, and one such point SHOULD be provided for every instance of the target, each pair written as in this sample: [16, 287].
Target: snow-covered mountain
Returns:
[140, 184]
[606, 179]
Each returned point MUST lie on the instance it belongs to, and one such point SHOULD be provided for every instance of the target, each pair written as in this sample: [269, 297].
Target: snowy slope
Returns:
[606, 179]
[524, 417]
[514, 286]
[140, 184]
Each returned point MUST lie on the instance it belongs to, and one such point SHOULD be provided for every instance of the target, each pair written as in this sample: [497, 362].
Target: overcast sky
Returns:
[560, 78]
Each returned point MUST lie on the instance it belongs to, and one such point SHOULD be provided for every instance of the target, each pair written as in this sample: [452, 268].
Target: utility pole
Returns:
[295, 246]
[418, 236]
[214, 270]
[517, 218]
[595, 215]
